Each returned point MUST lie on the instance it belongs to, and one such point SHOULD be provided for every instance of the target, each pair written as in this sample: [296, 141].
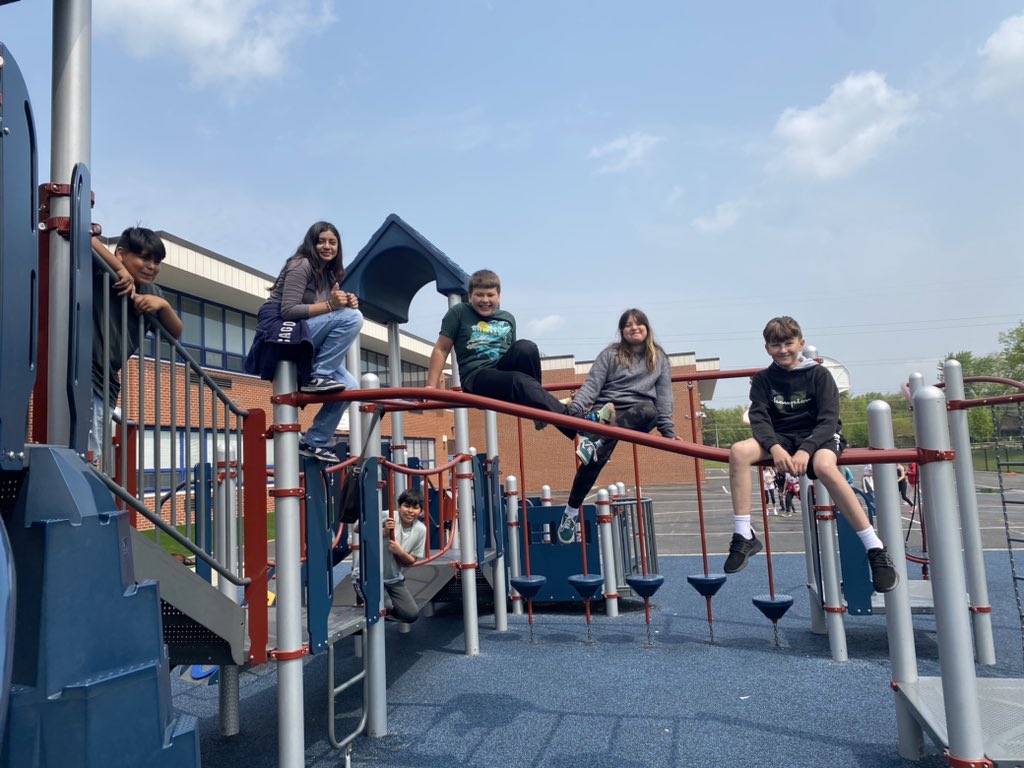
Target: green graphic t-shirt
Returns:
[479, 341]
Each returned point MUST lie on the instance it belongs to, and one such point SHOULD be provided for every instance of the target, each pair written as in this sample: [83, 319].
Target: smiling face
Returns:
[143, 267]
[786, 353]
[327, 245]
[485, 301]
[408, 513]
[634, 332]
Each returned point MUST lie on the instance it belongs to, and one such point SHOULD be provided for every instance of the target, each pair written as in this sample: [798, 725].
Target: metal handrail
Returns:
[158, 522]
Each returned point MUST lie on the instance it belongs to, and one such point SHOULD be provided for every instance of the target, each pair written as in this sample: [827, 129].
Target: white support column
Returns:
[291, 748]
[970, 526]
[604, 525]
[949, 588]
[898, 617]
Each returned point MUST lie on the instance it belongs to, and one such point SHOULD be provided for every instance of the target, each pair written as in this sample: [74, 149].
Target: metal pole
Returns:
[376, 661]
[898, 619]
[970, 526]
[617, 491]
[71, 142]
[811, 556]
[604, 524]
[512, 514]
[399, 452]
[953, 628]
[355, 426]
[467, 533]
[498, 573]
[832, 597]
[225, 515]
[545, 501]
[290, 715]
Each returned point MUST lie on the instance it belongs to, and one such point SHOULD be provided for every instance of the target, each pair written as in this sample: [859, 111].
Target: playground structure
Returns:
[58, 511]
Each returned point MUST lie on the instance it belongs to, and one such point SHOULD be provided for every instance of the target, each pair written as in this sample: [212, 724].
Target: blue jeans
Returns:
[333, 333]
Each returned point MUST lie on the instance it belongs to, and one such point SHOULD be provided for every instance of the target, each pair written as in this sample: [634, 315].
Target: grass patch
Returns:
[171, 547]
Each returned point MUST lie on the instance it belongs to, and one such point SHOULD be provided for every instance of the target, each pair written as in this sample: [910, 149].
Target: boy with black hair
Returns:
[136, 261]
[795, 419]
[407, 546]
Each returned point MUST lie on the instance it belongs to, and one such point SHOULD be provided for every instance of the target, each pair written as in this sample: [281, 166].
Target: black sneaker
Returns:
[740, 550]
[883, 573]
[322, 452]
[318, 385]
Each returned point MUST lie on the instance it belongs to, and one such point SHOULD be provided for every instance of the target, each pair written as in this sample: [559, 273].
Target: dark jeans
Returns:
[642, 417]
[515, 378]
[789, 501]
[904, 487]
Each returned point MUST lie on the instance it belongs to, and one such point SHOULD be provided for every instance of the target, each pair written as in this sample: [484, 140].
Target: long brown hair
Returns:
[325, 274]
[624, 353]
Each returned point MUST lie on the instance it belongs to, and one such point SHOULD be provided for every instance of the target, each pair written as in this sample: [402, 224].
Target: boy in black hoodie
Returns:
[794, 415]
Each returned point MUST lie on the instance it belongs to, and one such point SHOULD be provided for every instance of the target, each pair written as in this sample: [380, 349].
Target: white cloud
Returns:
[850, 128]
[1002, 56]
[545, 325]
[219, 42]
[625, 152]
[725, 217]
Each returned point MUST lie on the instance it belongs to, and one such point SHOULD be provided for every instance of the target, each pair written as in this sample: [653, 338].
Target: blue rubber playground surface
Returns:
[618, 702]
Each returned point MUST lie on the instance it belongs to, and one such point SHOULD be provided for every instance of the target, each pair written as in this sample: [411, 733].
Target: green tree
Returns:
[1013, 352]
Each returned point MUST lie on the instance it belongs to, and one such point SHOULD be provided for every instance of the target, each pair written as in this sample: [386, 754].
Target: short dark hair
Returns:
[781, 328]
[411, 496]
[142, 241]
[484, 278]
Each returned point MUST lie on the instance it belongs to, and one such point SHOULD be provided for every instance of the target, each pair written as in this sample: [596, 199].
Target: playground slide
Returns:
[7, 625]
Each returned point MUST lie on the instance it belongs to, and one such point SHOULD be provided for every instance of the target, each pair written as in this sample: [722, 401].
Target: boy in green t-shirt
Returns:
[492, 362]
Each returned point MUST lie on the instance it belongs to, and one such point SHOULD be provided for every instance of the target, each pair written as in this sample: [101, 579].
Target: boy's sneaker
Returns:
[322, 452]
[740, 550]
[586, 450]
[883, 573]
[318, 385]
[539, 425]
[567, 529]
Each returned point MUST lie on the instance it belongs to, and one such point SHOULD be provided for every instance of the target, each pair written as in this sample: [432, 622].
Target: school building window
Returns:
[217, 336]
[377, 363]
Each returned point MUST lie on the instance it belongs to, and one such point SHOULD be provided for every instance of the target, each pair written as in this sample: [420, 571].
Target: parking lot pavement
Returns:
[677, 523]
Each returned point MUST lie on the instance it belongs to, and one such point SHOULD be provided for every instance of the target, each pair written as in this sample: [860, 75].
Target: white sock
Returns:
[741, 525]
[597, 444]
[870, 539]
[572, 512]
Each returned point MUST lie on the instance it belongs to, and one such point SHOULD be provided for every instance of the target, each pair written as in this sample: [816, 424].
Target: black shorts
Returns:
[792, 444]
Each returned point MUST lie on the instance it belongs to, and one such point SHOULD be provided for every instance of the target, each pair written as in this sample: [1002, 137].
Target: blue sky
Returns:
[857, 165]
